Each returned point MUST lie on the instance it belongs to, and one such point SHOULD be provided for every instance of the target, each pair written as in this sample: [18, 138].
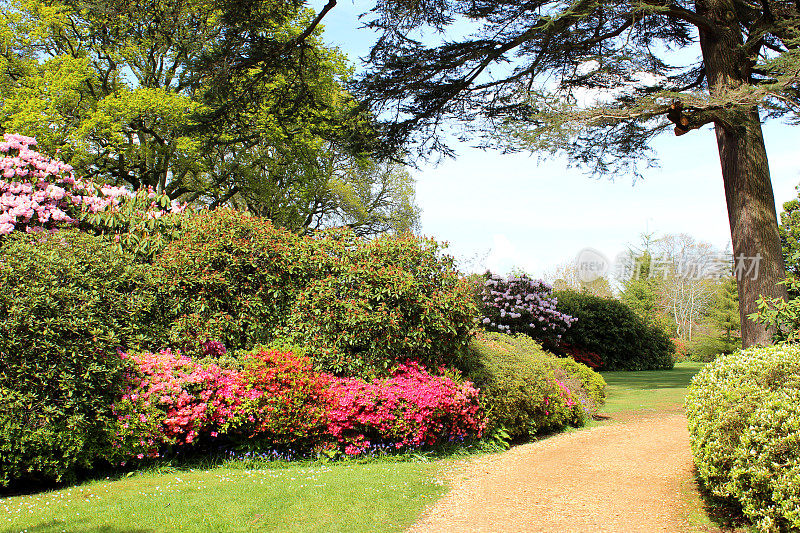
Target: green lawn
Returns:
[380, 496]
[648, 390]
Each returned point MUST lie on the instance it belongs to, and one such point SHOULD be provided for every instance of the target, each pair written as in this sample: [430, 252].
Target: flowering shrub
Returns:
[682, 351]
[282, 402]
[410, 408]
[33, 190]
[40, 193]
[581, 355]
[527, 390]
[172, 400]
[278, 399]
[584, 382]
[358, 305]
[744, 423]
[522, 305]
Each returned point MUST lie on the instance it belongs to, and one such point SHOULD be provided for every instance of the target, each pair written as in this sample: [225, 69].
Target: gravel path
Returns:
[628, 476]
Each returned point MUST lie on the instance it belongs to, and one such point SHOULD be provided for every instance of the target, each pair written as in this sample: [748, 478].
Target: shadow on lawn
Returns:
[58, 525]
[725, 514]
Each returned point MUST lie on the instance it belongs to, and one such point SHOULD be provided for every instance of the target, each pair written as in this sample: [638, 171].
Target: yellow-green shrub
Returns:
[744, 422]
[526, 390]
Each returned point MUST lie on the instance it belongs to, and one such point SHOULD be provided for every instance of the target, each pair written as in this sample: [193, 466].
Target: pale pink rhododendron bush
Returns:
[41, 193]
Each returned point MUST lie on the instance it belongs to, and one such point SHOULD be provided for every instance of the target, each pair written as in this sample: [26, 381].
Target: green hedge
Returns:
[612, 330]
[520, 385]
[358, 305]
[380, 302]
[744, 421]
[69, 301]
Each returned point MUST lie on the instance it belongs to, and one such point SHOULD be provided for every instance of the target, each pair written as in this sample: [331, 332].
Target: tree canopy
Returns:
[214, 103]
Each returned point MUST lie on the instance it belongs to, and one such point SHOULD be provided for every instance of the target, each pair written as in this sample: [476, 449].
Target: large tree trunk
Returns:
[745, 172]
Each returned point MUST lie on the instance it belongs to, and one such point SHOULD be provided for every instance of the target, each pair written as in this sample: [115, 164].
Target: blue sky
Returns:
[520, 212]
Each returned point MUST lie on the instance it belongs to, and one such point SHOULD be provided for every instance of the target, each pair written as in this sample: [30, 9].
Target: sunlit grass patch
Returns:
[648, 389]
[380, 496]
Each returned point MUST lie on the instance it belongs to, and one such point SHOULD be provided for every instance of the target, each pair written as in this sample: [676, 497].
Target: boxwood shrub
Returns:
[744, 422]
[528, 390]
[610, 329]
[69, 302]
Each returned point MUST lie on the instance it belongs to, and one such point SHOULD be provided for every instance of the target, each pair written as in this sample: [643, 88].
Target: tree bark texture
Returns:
[758, 262]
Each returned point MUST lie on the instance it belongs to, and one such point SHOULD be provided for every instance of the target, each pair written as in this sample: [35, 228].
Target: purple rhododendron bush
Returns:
[519, 304]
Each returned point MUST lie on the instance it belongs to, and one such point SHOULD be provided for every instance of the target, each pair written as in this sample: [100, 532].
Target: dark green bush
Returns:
[383, 301]
[612, 330]
[744, 422]
[358, 305]
[69, 301]
[523, 386]
[232, 277]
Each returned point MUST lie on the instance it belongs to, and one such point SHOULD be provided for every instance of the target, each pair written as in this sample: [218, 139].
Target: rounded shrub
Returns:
[526, 389]
[744, 422]
[69, 302]
[611, 330]
[592, 383]
[232, 278]
[382, 302]
[519, 304]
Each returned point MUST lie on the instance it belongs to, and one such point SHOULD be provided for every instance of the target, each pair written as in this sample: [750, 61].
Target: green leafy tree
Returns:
[725, 314]
[641, 292]
[308, 190]
[141, 94]
[597, 81]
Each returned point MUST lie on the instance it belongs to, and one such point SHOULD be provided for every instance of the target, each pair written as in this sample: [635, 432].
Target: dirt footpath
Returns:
[628, 476]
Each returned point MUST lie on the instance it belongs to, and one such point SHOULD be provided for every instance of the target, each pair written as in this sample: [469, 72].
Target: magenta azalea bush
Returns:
[277, 399]
[410, 408]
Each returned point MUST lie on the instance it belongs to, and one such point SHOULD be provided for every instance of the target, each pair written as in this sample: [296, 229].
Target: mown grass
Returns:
[648, 390]
[378, 496]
